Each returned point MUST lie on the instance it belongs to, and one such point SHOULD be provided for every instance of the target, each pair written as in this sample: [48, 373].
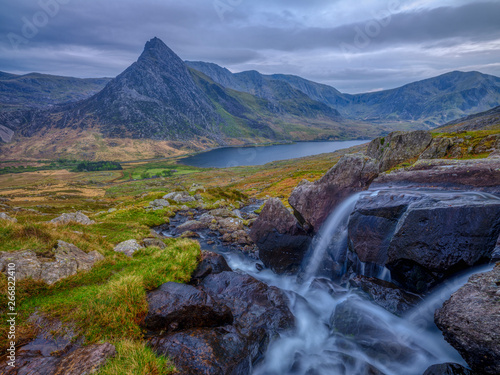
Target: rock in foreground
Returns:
[470, 320]
[76, 217]
[281, 240]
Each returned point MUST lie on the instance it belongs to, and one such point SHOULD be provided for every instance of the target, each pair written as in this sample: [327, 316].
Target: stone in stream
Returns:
[281, 240]
[386, 294]
[448, 369]
[314, 201]
[211, 263]
[470, 320]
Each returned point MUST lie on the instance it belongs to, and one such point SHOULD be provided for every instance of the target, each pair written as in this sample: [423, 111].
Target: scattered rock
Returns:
[222, 213]
[67, 261]
[158, 204]
[191, 226]
[386, 294]
[111, 210]
[4, 216]
[229, 225]
[398, 147]
[153, 242]
[469, 321]
[313, 202]
[189, 234]
[179, 197]
[183, 208]
[176, 307]
[128, 247]
[448, 369]
[281, 240]
[77, 217]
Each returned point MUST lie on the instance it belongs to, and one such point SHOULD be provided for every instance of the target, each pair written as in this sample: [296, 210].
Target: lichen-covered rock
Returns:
[179, 197]
[176, 307]
[438, 148]
[4, 216]
[153, 242]
[281, 240]
[313, 202]
[128, 247]
[469, 321]
[398, 147]
[77, 217]
[67, 261]
[158, 204]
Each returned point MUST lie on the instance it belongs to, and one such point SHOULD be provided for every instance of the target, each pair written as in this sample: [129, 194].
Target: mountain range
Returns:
[200, 105]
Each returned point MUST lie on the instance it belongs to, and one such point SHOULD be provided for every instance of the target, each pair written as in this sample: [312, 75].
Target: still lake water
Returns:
[242, 156]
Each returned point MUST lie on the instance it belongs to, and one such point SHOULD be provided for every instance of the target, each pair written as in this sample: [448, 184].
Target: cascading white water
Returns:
[385, 343]
[335, 227]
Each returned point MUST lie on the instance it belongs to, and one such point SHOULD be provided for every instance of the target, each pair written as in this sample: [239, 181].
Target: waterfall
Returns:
[332, 232]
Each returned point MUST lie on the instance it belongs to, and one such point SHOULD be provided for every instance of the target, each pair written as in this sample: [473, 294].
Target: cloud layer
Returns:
[355, 47]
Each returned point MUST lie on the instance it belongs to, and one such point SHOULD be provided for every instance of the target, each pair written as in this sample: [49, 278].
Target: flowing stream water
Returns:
[380, 342]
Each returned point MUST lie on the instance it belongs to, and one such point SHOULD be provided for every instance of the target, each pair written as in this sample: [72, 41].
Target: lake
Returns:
[241, 156]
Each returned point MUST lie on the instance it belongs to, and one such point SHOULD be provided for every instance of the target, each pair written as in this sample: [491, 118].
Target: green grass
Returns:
[134, 358]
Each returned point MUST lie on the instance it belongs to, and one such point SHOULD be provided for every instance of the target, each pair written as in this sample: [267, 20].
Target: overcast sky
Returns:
[355, 46]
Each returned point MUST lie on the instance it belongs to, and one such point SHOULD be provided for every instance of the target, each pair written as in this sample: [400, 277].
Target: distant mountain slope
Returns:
[488, 120]
[432, 101]
[429, 102]
[41, 90]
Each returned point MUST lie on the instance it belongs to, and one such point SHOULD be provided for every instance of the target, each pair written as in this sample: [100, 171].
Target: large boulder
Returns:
[259, 313]
[281, 240]
[67, 261]
[398, 147]
[313, 202]
[469, 321]
[77, 218]
[176, 307]
[424, 237]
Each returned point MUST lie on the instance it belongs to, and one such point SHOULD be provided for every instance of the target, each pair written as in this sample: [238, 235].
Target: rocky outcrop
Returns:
[128, 247]
[281, 240]
[4, 216]
[176, 307]
[385, 294]
[448, 369]
[438, 148]
[259, 313]
[179, 197]
[424, 237]
[474, 174]
[77, 217]
[57, 351]
[67, 261]
[313, 202]
[398, 147]
[469, 321]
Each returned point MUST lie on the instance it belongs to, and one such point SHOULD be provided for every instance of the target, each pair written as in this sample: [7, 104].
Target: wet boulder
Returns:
[469, 321]
[424, 237]
[398, 147]
[281, 240]
[448, 369]
[211, 263]
[385, 294]
[201, 351]
[314, 201]
[259, 313]
[175, 307]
